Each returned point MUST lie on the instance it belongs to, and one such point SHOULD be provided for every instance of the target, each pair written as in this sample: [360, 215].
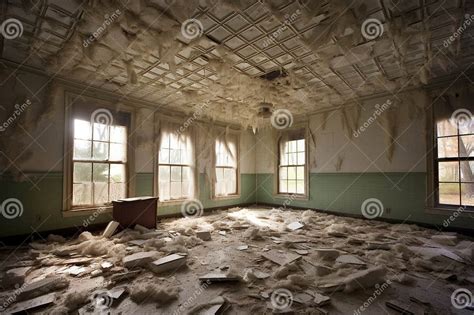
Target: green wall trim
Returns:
[403, 193]
[42, 201]
[338, 192]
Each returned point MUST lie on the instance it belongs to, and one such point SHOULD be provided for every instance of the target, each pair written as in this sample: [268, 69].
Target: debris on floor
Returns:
[327, 263]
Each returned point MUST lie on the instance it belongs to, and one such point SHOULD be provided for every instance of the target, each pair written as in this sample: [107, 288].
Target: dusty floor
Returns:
[418, 269]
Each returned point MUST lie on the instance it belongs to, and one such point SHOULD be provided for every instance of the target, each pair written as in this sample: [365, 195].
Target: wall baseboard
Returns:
[74, 231]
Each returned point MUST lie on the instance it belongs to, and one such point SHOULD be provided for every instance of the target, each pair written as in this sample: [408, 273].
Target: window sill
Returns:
[291, 197]
[228, 197]
[172, 202]
[86, 211]
[448, 210]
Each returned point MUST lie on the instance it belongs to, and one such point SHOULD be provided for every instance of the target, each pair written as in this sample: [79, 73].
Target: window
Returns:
[454, 161]
[226, 167]
[175, 170]
[99, 163]
[292, 166]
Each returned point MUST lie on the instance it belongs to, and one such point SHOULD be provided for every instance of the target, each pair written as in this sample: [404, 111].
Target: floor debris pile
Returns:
[266, 261]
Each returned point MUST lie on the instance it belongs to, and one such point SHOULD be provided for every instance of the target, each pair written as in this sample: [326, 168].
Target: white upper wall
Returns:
[34, 142]
[366, 152]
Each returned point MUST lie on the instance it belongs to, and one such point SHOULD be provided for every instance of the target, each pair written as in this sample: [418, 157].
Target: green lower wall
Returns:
[337, 192]
[345, 193]
[41, 196]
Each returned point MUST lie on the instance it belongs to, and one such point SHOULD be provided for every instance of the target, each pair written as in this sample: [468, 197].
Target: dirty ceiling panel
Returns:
[184, 53]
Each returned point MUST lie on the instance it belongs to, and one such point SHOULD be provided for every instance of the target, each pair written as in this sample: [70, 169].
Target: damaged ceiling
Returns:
[298, 55]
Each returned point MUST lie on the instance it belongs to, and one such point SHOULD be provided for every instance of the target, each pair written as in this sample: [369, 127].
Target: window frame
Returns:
[179, 121]
[432, 201]
[170, 165]
[303, 129]
[73, 99]
[237, 195]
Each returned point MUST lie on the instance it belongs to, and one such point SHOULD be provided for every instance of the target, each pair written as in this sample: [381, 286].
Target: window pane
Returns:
[185, 189]
[101, 172]
[187, 175]
[118, 134]
[292, 159]
[448, 147]
[300, 187]
[164, 173]
[449, 194]
[293, 146]
[164, 155]
[117, 191]
[291, 186]
[283, 186]
[175, 190]
[101, 193]
[82, 149]
[117, 173]
[467, 171]
[467, 194]
[467, 128]
[174, 144]
[300, 145]
[101, 132]
[175, 157]
[219, 174]
[466, 146]
[82, 194]
[300, 173]
[82, 129]
[164, 190]
[100, 151]
[291, 172]
[82, 172]
[283, 172]
[301, 158]
[445, 128]
[448, 171]
[229, 176]
[118, 152]
[175, 173]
